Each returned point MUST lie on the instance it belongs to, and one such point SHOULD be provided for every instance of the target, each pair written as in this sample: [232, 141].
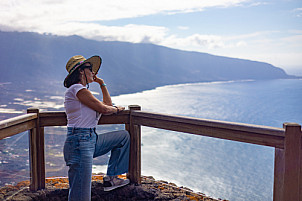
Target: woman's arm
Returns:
[106, 96]
[86, 97]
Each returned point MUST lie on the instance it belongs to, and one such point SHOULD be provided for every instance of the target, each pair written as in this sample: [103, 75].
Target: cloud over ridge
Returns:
[90, 18]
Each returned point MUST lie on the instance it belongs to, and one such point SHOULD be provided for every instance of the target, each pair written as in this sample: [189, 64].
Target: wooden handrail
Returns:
[287, 142]
[16, 125]
[59, 118]
[260, 135]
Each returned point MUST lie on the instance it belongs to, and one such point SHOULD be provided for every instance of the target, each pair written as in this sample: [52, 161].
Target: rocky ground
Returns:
[57, 189]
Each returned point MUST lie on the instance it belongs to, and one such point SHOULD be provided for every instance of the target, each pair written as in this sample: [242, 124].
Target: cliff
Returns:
[150, 189]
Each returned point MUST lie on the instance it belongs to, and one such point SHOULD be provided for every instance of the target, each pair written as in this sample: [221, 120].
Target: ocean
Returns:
[219, 168]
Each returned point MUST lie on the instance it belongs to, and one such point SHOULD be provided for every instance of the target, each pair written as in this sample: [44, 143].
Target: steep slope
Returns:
[31, 58]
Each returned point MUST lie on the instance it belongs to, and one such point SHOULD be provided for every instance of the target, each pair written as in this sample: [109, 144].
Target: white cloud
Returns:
[130, 33]
[194, 42]
[32, 14]
[80, 17]
[282, 49]
[295, 31]
[99, 9]
[294, 39]
[146, 34]
[298, 12]
[69, 17]
[256, 4]
[183, 27]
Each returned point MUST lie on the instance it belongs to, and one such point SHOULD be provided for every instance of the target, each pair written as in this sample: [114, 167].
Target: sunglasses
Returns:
[89, 67]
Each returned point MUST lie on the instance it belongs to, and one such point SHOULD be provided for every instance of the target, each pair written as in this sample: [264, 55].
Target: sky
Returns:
[261, 30]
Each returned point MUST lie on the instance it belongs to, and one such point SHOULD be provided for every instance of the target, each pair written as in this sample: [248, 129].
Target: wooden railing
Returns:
[287, 142]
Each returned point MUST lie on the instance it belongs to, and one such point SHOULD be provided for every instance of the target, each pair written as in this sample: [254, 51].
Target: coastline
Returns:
[51, 101]
[260, 83]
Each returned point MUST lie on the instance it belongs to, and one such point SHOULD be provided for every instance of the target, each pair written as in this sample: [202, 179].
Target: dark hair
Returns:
[74, 78]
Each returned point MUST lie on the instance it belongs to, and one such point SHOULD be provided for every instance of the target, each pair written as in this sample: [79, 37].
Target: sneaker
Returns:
[113, 182]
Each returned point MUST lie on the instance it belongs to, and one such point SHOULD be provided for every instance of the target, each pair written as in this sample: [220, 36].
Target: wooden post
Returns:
[292, 162]
[278, 174]
[36, 154]
[134, 173]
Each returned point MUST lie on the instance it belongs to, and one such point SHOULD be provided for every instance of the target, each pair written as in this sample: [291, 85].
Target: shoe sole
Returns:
[114, 187]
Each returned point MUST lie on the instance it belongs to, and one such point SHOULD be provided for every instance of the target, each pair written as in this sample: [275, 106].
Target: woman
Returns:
[82, 144]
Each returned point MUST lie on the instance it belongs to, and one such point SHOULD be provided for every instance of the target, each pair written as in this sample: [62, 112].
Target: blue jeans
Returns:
[81, 146]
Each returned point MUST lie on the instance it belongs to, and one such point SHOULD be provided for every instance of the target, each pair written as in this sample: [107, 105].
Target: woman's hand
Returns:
[98, 80]
[119, 108]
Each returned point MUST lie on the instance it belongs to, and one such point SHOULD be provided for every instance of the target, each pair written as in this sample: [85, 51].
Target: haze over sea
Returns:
[218, 168]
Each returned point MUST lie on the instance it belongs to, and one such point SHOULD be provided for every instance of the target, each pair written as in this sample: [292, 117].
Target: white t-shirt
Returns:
[78, 114]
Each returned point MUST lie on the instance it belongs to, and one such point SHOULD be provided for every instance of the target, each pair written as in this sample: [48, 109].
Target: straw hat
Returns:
[76, 61]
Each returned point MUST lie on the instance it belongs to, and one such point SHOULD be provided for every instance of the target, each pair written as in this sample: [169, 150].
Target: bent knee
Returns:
[126, 134]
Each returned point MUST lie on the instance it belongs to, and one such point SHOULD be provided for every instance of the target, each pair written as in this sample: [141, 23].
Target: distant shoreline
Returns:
[205, 82]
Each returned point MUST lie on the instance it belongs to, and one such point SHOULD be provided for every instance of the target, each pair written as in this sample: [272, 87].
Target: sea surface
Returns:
[219, 168]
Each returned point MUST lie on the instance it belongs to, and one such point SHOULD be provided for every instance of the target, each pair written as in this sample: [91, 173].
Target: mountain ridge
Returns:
[28, 57]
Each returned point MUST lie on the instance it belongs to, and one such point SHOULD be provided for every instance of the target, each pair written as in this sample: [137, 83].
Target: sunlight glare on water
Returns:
[219, 168]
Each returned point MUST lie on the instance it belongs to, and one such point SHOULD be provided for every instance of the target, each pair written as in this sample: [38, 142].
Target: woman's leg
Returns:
[118, 142]
[78, 153]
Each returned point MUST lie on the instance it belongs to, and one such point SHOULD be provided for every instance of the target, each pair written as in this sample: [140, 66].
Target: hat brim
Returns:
[96, 62]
